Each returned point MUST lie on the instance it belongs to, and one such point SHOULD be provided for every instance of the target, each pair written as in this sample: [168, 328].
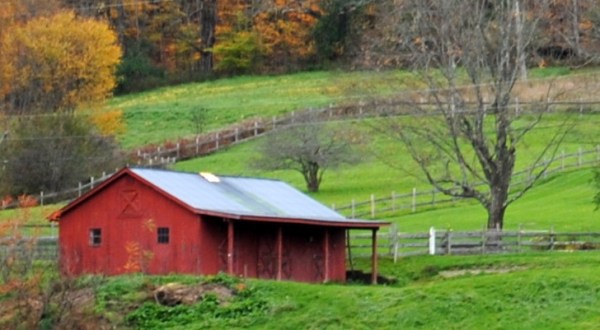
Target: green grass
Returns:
[562, 201]
[165, 114]
[533, 291]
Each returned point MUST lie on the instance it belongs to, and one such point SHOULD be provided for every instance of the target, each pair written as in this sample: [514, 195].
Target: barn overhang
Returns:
[347, 224]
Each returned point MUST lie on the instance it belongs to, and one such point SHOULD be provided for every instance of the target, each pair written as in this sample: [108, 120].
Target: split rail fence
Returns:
[448, 242]
[396, 204]
[171, 152]
[392, 244]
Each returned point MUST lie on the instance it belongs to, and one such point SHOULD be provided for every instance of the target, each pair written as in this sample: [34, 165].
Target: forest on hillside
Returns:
[173, 41]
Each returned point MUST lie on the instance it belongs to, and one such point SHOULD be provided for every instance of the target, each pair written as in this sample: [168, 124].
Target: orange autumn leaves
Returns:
[58, 62]
[277, 31]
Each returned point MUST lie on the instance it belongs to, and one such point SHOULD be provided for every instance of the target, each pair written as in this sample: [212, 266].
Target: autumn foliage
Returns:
[57, 63]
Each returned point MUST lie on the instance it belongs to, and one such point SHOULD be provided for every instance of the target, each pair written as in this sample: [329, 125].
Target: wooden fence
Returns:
[204, 144]
[397, 204]
[40, 248]
[448, 242]
[396, 245]
[171, 152]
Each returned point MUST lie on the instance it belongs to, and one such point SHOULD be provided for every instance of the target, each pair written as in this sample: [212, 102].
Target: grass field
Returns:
[166, 113]
[535, 291]
[551, 290]
[562, 201]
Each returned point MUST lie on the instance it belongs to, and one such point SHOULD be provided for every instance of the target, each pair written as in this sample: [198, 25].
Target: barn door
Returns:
[266, 266]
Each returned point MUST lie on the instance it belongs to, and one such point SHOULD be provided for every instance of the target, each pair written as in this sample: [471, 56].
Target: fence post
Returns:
[255, 128]
[41, 198]
[519, 238]
[448, 242]
[552, 238]
[373, 206]
[237, 133]
[394, 241]
[92, 180]
[483, 239]
[79, 190]
[432, 241]
[177, 150]
[197, 145]
[414, 199]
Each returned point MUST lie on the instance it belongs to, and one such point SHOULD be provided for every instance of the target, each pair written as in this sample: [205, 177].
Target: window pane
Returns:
[95, 236]
[163, 235]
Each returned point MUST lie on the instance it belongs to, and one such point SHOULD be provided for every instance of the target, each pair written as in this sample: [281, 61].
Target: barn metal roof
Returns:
[238, 195]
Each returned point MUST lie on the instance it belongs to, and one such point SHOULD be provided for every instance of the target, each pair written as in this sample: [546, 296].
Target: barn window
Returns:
[95, 236]
[163, 235]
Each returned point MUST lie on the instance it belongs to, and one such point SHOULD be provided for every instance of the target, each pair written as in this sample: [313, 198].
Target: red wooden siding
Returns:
[129, 213]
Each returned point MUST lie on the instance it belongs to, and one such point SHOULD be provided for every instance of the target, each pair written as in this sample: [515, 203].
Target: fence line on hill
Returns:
[208, 143]
[169, 153]
[394, 204]
[397, 245]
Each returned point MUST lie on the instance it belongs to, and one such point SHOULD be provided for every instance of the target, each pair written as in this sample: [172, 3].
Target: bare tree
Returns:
[309, 147]
[470, 55]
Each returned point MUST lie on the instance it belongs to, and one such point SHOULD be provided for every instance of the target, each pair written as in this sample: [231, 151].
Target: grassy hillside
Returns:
[545, 291]
[562, 201]
[166, 113]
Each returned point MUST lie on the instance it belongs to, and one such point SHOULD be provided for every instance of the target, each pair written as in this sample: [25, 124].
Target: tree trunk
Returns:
[207, 35]
[496, 215]
[312, 180]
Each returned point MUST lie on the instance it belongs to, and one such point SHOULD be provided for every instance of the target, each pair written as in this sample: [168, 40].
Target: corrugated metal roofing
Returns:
[238, 196]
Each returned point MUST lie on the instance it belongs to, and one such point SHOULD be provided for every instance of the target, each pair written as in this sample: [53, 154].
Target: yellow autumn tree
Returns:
[57, 63]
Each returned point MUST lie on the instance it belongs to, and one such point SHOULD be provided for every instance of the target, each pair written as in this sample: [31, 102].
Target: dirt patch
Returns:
[478, 271]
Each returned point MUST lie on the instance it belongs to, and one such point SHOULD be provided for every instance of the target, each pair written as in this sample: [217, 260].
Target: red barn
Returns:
[159, 222]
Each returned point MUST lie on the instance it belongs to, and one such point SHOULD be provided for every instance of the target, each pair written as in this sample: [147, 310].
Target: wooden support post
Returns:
[279, 253]
[230, 246]
[349, 248]
[326, 255]
[374, 258]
